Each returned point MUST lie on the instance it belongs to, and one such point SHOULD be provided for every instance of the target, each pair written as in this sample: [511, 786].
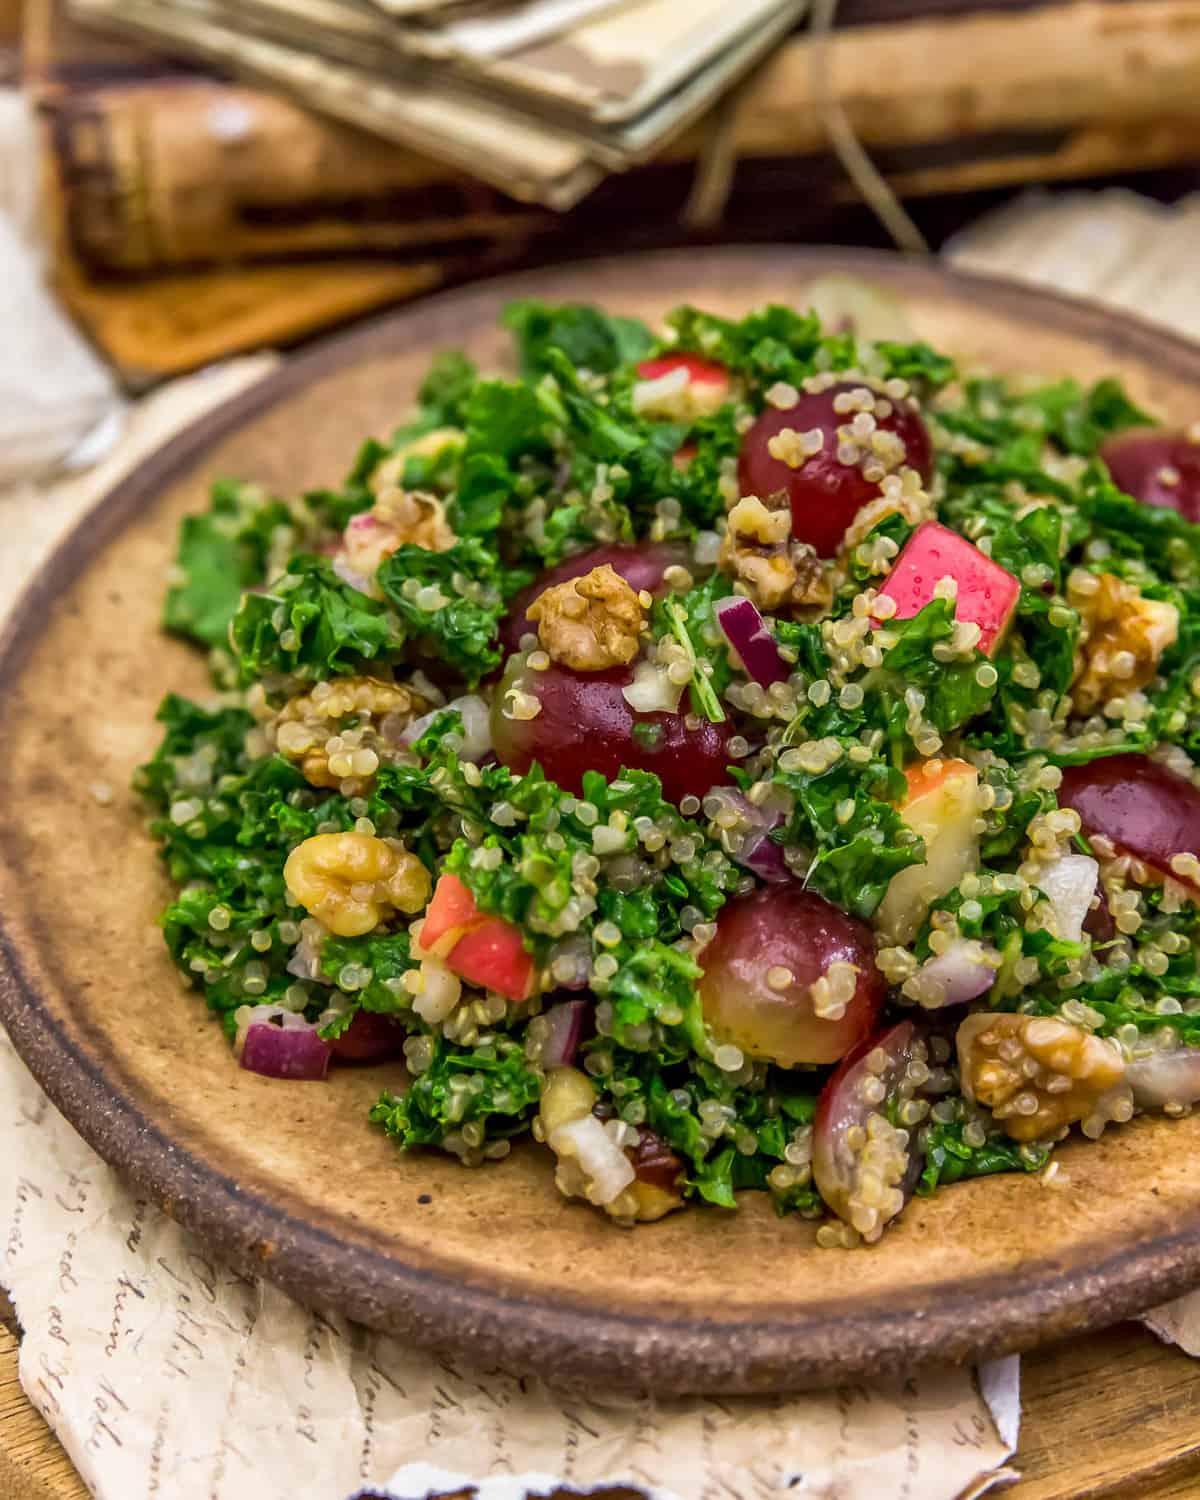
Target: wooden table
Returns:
[1111, 1416]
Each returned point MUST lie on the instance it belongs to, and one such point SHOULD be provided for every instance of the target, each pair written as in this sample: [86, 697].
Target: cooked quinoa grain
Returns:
[744, 758]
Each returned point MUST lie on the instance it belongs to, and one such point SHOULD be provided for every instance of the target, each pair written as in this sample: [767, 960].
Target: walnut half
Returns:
[1038, 1074]
[759, 553]
[353, 881]
[591, 623]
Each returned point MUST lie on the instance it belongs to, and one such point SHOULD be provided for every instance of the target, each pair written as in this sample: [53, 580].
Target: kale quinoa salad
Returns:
[736, 756]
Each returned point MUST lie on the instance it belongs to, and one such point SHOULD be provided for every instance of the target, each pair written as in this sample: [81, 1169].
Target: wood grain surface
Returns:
[1112, 1416]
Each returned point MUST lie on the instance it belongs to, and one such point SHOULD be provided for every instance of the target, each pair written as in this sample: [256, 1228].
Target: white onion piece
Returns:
[476, 726]
[441, 990]
[746, 631]
[662, 393]
[1168, 1075]
[305, 962]
[1070, 884]
[605, 1166]
[350, 575]
[652, 691]
[964, 972]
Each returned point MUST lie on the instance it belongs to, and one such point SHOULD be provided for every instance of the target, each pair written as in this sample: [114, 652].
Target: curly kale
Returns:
[490, 1086]
[220, 554]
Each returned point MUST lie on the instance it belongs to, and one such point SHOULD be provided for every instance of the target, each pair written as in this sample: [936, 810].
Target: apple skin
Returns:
[987, 593]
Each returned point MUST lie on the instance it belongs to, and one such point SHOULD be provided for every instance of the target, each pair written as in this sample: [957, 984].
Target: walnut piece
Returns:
[759, 552]
[353, 881]
[311, 730]
[591, 623]
[398, 518]
[1038, 1074]
[1123, 638]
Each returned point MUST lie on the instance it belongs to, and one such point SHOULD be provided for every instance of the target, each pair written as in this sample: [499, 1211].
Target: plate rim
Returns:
[681, 1353]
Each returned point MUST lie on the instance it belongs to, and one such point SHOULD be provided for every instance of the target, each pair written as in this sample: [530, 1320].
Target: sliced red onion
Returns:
[759, 853]
[476, 726]
[764, 858]
[964, 972]
[746, 631]
[565, 1021]
[1168, 1075]
[1070, 884]
[277, 1043]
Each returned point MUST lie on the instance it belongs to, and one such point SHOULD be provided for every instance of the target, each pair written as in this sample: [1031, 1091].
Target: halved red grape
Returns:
[369, 1038]
[987, 593]
[759, 970]
[862, 1165]
[1138, 805]
[641, 564]
[825, 494]
[1157, 467]
[585, 724]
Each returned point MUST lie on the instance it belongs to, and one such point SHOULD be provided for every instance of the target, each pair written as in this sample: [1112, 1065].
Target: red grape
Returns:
[1157, 468]
[826, 495]
[1138, 805]
[585, 724]
[798, 933]
[641, 564]
[868, 1076]
[369, 1038]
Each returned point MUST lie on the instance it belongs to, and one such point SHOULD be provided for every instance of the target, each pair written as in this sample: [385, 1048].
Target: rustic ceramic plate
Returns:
[289, 1176]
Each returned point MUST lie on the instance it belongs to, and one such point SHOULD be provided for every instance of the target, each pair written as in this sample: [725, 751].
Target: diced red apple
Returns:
[452, 910]
[987, 593]
[493, 956]
[941, 804]
[700, 371]
[486, 951]
[680, 386]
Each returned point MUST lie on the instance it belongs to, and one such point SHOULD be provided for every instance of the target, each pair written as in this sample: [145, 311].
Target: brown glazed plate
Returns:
[494, 1264]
